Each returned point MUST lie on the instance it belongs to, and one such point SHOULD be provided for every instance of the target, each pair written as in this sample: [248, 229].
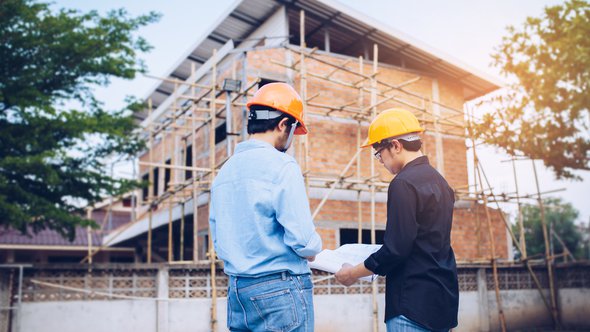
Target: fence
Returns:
[162, 284]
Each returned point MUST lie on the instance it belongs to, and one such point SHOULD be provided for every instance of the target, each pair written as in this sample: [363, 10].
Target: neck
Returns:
[410, 156]
[268, 137]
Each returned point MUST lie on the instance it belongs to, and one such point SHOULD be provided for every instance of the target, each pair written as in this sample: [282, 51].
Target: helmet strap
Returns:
[290, 138]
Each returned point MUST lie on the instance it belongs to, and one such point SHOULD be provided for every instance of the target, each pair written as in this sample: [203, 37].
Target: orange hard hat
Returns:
[392, 123]
[282, 97]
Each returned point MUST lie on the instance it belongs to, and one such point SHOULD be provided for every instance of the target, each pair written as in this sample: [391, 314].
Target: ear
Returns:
[282, 125]
[397, 146]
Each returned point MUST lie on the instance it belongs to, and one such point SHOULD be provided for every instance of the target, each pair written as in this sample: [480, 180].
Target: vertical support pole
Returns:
[89, 234]
[493, 249]
[548, 258]
[327, 40]
[303, 92]
[477, 177]
[195, 185]
[212, 256]
[172, 179]
[181, 249]
[374, 114]
[358, 157]
[151, 184]
[135, 192]
[475, 188]
[520, 221]
[183, 200]
[228, 123]
[110, 210]
[244, 98]
[440, 158]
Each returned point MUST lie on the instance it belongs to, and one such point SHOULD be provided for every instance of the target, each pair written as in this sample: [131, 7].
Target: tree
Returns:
[55, 137]
[559, 216]
[545, 114]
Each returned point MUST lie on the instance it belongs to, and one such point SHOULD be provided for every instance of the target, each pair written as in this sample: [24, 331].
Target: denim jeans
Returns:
[276, 302]
[402, 324]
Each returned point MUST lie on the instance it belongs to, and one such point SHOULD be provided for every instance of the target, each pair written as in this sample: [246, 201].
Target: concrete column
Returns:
[482, 298]
[162, 303]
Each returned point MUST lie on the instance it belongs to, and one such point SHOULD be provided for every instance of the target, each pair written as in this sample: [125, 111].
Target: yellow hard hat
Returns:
[392, 123]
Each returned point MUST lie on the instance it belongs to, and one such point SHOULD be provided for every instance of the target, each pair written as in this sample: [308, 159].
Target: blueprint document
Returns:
[353, 254]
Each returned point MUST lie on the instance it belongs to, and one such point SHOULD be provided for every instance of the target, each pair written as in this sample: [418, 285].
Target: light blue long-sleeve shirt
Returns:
[259, 214]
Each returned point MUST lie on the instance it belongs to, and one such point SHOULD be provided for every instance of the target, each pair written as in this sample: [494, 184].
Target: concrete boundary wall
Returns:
[523, 309]
[166, 308]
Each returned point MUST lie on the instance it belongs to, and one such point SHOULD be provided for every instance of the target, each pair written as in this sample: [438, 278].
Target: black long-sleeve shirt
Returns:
[416, 256]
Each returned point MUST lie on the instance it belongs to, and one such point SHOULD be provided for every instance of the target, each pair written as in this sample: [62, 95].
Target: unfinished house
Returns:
[347, 69]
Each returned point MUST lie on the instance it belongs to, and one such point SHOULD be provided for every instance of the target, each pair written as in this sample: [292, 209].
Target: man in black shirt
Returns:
[422, 292]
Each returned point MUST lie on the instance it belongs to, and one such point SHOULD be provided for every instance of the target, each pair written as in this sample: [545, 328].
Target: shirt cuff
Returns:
[312, 248]
[372, 264]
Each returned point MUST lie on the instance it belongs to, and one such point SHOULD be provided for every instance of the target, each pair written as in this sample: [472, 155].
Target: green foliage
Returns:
[558, 215]
[546, 113]
[55, 137]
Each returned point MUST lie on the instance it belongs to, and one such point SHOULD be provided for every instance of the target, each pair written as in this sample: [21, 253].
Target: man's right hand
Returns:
[310, 258]
[345, 275]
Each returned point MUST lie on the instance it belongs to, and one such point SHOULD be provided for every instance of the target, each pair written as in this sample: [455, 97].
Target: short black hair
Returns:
[408, 145]
[262, 126]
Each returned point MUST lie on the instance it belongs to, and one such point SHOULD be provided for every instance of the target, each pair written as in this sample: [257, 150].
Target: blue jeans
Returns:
[276, 302]
[402, 324]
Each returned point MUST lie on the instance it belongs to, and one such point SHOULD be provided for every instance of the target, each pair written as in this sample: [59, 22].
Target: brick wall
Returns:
[333, 140]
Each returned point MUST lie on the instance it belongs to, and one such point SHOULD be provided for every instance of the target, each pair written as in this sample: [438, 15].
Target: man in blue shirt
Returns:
[261, 223]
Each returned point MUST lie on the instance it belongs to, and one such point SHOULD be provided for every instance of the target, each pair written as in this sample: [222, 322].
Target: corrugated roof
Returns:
[349, 32]
[53, 238]
[46, 237]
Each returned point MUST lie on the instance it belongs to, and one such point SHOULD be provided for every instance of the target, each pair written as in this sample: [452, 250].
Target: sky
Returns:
[467, 30]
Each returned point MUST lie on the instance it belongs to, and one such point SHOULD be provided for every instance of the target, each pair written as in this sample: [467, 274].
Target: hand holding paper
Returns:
[352, 254]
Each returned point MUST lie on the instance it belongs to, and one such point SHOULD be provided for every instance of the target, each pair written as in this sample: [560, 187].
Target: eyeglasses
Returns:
[377, 153]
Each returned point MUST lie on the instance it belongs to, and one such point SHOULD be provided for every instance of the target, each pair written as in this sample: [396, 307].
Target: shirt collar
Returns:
[418, 161]
[252, 143]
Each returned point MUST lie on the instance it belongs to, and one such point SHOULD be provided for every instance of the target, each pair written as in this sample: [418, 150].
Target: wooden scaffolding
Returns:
[197, 106]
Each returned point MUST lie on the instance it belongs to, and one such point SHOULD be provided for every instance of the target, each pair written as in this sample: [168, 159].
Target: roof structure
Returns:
[350, 33]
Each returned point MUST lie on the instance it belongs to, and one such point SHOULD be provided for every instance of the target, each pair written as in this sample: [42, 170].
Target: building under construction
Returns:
[347, 68]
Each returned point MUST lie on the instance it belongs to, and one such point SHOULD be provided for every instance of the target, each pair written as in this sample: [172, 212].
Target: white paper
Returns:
[353, 254]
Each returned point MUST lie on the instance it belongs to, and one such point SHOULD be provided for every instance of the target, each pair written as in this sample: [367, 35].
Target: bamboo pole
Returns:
[195, 187]
[520, 221]
[333, 186]
[549, 261]
[526, 262]
[565, 248]
[177, 167]
[358, 158]
[373, 239]
[171, 179]
[409, 93]
[212, 255]
[303, 91]
[182, 221]
[151, 186]
[491, 236]
[442, 121]
[493, 249]
[89, 235]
